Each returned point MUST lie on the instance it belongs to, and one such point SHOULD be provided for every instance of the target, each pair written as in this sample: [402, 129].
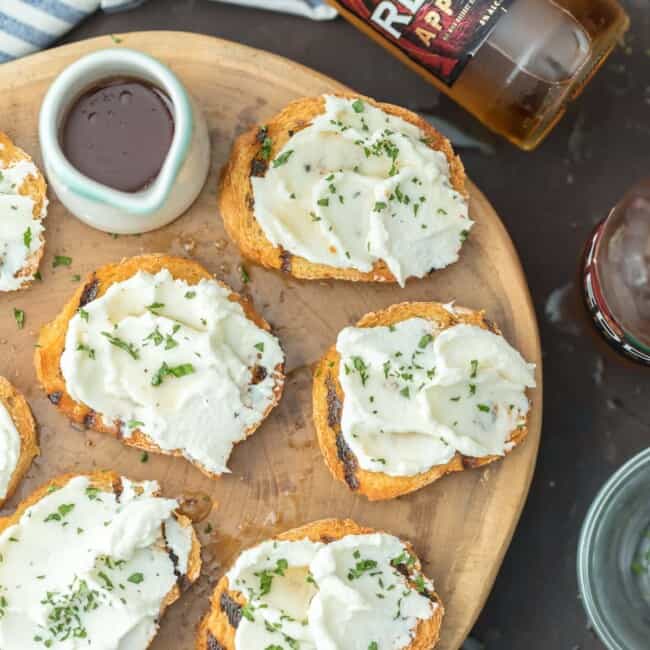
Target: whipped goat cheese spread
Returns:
[20, 232]
[84, 568]
[181, 363]
[415, 395]
[9, 449]
[358, 186]
[346, 594]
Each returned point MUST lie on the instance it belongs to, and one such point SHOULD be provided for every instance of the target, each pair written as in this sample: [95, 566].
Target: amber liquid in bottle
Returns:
[537, 58]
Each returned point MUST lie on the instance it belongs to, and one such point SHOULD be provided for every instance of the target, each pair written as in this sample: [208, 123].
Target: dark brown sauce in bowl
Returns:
[119, 133]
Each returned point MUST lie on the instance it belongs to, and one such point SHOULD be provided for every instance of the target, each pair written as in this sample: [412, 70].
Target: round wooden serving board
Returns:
[460, 526]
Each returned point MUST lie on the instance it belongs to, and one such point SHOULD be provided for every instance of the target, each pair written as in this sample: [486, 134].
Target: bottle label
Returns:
[441, 35]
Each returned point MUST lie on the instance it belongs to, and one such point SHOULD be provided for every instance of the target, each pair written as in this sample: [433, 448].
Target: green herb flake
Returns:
[283, 158]
[61, 260]
[19, 316]
[259, 346]
[135, 578]
[171, 371]
[123, 345]
[425, 340]
[27, 237]
[358, 106]
[144, 457]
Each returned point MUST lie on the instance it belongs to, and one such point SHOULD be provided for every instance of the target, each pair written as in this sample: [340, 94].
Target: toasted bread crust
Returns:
[108, 481]
[51, 342]
[34, 187]
[216, 631]
[328, 396]
[22, 417]
[236, 202]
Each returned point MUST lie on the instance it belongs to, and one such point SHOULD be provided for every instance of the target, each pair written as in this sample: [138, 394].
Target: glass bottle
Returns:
[514, 64]
[616, 275]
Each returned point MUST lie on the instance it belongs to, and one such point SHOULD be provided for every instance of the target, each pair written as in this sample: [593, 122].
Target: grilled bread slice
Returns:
[236, 202]
[33, 185]
[108, 481]
[328, 399]
[21, 415]
[51, 342]
[218, 627]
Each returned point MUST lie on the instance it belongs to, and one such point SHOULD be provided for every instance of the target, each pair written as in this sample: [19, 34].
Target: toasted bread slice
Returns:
[217, 628]
[33, 186]
[22, 417]
[107, 481]
[328, 399]
[236, 202]
[51, 342]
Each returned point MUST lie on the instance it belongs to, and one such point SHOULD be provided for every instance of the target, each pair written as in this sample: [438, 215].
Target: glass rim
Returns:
[590, 528]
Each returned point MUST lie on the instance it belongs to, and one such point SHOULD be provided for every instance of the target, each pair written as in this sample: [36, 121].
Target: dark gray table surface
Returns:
[596, 409]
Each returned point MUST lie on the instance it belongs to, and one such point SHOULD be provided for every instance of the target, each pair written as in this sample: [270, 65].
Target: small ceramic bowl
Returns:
[184, 170]
[614, 558]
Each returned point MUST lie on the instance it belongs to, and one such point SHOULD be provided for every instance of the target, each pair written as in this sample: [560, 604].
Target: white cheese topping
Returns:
[9, 449]
[84, 568]
[414, 395]
[175, 361]
[20, 231]
[358, 186]
[347, 594]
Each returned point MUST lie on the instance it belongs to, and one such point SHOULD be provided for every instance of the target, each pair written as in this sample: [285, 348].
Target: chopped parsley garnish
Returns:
[170, 341]
[405, 392]
[123, 345]
[92, 493]
[266, 576]
[380, 205]
[403, 558]
[373, 646]
[83, 314]
[61, 260]
[171, 371]
[27, 237]
[144, 457]
[247, 612]
[19, 316]
[425, 340]
[136, 578]
[63, 510]
[81, 347]
[282, 158]
[190, 294]
[134, 424]
[323, 202]
[483, 407]
[245, 278]
[358, 106]
[361, 367]
[361, 567]
[474, 368]
[463, 235]
[155, 306]
[259, 346]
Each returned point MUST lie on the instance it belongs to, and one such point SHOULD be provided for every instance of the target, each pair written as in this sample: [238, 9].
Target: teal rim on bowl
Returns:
[614, 558]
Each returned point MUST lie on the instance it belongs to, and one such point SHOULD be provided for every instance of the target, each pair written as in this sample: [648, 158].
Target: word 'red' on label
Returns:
[441, 35]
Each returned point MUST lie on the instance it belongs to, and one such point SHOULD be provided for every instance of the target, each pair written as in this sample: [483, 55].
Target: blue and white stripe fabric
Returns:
[30, 25]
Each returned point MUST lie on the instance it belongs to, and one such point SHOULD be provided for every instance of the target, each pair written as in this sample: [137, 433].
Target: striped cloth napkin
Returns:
[30, 25]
